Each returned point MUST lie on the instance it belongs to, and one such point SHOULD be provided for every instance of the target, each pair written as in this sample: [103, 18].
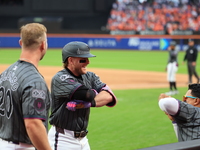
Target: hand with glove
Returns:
[77, 104]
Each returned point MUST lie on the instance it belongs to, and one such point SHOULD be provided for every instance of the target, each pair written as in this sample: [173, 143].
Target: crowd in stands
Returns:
[155, 15]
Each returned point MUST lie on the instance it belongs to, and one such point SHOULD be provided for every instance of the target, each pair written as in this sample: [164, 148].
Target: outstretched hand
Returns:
[162, 95]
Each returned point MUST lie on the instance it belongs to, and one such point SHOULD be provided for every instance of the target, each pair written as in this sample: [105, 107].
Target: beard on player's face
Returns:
[79, 71]
[78, 65]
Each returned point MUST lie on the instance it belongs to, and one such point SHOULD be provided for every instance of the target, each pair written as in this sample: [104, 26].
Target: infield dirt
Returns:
[120, 79]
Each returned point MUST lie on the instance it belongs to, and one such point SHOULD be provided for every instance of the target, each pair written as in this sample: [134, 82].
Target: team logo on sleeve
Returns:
[64, 77]
[67, 78]
[39, 104]
[38, 94]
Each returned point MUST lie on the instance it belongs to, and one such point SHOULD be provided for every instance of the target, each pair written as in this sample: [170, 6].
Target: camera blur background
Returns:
[173, 17]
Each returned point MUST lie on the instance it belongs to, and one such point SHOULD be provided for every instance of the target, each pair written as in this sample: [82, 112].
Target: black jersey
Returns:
[63, 87]
[172, 56]
[188, 121]
[23, 94]
[191, 54]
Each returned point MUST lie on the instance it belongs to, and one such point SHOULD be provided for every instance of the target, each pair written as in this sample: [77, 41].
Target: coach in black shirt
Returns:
[191, 58]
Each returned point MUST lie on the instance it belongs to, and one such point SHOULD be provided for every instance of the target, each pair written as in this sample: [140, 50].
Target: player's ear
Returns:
[197, 101]
[20, 42]
[70, 59]
[43, 46]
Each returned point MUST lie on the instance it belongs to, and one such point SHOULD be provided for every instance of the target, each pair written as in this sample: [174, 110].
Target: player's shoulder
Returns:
[89, 73]
[25, 73]
[62, 75]
[30, 71]
[186, 106]
[21, 70]
[23, 67]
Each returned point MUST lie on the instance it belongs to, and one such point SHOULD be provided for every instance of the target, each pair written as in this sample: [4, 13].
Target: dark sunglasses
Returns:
[82, 61]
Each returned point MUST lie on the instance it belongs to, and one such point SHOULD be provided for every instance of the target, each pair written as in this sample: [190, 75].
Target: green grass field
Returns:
[136, 121]
[119, 59]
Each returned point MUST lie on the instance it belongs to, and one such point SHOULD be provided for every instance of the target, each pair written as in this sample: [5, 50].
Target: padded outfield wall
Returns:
[129, 42]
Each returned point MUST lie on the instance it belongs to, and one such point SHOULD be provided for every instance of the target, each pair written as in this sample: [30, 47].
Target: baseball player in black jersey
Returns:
[24, 95]
[172, 68]
[186, 113]
[191, 58]
[74, 90]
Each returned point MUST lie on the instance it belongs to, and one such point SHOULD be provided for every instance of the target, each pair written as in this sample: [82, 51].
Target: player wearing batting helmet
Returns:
[74, 90]
[24, 95]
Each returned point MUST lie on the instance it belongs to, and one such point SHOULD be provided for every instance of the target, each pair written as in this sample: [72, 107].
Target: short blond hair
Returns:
[32, 34]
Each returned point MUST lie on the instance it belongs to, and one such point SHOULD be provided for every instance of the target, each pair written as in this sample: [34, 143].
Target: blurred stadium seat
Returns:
[53, 24]
[155, 17]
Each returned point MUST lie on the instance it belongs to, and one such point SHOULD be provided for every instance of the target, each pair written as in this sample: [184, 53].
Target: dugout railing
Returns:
[186, 145]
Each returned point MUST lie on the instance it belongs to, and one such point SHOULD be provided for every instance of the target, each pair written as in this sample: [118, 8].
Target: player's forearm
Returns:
[175, 129]
[103, 98]
[169, 105]
[84, 94]
[37, 134]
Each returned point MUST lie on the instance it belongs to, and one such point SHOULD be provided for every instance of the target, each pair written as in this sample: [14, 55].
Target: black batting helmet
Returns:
[76, 49]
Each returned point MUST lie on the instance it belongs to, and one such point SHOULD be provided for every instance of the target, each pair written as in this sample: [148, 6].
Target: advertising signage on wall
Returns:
[130, 43]
[143, 44]
[102, 42]
[124, 43]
